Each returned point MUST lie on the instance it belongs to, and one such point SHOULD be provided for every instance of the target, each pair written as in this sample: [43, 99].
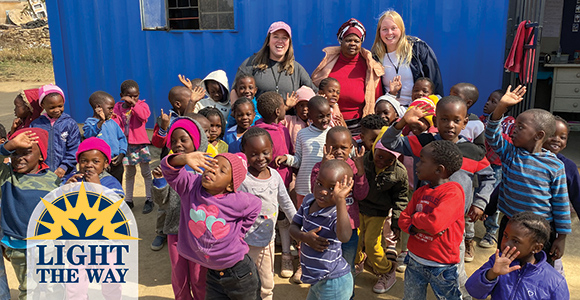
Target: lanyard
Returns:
[397, 66]
[276, 80]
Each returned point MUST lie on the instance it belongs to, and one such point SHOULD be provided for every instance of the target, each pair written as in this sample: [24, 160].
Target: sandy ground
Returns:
[154, 267]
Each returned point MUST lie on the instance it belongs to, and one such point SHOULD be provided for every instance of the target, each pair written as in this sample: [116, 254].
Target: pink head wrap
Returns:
[189, 126]
[94, 143]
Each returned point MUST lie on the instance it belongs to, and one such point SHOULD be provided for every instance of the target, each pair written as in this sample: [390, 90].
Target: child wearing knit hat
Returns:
[215, 219]
[27, 150]
[26, 109]
[64, 131]
[93, 157]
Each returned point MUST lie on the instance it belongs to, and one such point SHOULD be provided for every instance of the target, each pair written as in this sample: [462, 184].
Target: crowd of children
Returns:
[403, 195]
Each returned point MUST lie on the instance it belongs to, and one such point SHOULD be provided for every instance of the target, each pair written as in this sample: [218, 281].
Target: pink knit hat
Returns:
[94, 143]
[189, 126]
[305, 93]
[280, 25]
[44, 90]
[239, 164]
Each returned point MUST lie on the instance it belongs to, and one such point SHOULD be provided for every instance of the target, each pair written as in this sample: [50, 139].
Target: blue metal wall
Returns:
[97, 44]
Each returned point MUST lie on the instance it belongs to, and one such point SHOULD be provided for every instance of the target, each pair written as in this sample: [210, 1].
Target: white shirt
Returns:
[404, 72]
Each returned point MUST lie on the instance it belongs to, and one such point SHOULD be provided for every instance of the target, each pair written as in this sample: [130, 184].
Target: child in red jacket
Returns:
[132, 114]
[435, 221]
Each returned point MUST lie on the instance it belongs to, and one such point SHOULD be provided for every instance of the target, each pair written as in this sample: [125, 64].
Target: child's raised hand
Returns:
[22, 141]
[415, 113]
[514, 97]
[185, 81]
[315, 241]
[99, 112]
[197, 93]
[359, 158]
[197, 160]
[157, 173]
[327, 154]
[341, 189]
[395, 85]
[502, 262]
[164, 120]
[291, 100]
[280, 160]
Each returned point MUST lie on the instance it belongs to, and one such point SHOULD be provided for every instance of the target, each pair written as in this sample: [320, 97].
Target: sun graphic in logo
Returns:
[82, 215]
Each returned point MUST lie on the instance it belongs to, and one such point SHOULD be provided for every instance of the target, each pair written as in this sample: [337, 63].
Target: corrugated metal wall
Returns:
[97, 44]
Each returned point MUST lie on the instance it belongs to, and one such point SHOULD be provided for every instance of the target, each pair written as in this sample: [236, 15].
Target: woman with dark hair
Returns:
[274, 67]
[357, 72]
[405, 58]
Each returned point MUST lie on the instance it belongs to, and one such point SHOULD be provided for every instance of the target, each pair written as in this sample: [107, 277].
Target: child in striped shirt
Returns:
[533, 178]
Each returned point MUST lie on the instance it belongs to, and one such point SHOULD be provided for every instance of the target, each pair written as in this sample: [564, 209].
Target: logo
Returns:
[82, 240]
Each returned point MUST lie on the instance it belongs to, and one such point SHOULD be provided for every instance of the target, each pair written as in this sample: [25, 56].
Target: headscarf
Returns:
[394, 102]
[30, 98]
[351, 26]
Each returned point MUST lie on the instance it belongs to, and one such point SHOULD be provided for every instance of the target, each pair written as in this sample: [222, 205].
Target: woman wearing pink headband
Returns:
[355, 68]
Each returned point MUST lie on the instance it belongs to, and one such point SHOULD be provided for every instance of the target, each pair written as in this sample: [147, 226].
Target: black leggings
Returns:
[547, 245]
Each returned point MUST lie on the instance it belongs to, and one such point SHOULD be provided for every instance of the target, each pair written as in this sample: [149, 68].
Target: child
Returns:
[133, 115]
[339, 146]
[93, 157]
[63, 131]
[27, 149]
[268, 185]
[371, 126]
[182, 100]
[390, 187]
[507, 123]
[102, 126]
[26, 109]
[545, 189]
[521, 270]
[300, 120]
[434, 219]
[322, 224]
[216, 85]
[329, 88]
[389, 108]
[423, 87]
[216, 129]
[451, 119]
[245, 86]
[309, 143]
[243, 111]
[271, 107]
[187, 277]
[474, 129]
[214, 220]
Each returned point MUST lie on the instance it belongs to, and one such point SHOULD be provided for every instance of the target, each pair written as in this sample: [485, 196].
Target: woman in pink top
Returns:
[355, 68]
[131, 115]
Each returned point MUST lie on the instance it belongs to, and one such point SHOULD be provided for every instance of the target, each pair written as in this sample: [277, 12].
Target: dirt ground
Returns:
[154, 267]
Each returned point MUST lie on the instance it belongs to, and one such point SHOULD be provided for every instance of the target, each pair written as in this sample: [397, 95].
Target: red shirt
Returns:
[434, 210]
[351, 73]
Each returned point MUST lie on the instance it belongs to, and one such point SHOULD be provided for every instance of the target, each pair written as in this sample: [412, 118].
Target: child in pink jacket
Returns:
[131, 115]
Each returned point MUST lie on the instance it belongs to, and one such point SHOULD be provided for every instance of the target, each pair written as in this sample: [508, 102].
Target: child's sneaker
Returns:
[401, 266]
[287, 267]
[293, 250]
[297, 276]
[469, 251]
[487, 241]
[158, 242]
[360, 267]
[385, 282]
[148, 207]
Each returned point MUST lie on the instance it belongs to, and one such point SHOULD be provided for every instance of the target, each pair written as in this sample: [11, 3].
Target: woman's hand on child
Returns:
[341, 189]
[395, 85]
[475, 213]
[185, 81]
[558, 246]
[280, 160]
[198, 160]
[164, 120]
[315, 241]
[503, 262]
[22, 141]
[291, 100]
[157, 173]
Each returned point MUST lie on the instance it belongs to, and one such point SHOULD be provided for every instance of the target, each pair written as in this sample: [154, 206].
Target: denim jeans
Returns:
[349, 249]
[491, 225]
[443, 281]
[4, 289]
[239, 282]
[336, 289]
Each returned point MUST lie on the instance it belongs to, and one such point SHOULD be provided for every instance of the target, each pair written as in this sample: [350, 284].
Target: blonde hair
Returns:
[262, 58]
[404, 47]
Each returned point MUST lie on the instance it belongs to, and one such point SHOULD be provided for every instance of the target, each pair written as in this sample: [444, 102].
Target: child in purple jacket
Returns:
[215, 219]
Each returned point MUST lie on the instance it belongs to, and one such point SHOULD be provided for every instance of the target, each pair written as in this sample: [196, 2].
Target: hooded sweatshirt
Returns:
[223, 106]
[30, 98]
